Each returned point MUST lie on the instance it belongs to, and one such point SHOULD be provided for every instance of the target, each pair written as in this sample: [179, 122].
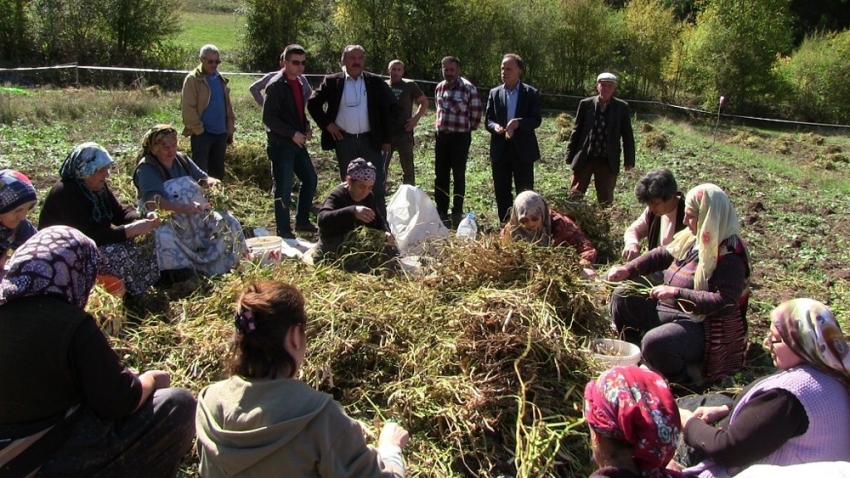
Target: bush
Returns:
[817, 76]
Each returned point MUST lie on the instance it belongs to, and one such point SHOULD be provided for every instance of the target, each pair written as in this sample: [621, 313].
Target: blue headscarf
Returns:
[15, 191]
[84, 160]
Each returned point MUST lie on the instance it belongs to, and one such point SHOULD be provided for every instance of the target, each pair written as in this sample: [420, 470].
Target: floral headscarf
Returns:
[635, 405]
[809, 328]
[361, 170]
[15, 191]
[716, 221]
[58, 260]
[528, 204]
[85, 160]
[149, 139]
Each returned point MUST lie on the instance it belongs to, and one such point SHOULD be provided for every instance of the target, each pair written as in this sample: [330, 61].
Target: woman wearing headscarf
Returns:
[264, 421]
[83, 200]
[531, 220]
[634, 423]
[796, 415]
[694, 323]
[349, 206]
[17, 198]
[68, 407]
[196, 238]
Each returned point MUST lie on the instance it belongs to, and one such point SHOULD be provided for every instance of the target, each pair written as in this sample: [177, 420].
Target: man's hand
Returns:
[498, 129]
[335, 131]
[512, 125]
[299, 139]
[631, 252]
[230, 139]
[411, 123]
[364, 214]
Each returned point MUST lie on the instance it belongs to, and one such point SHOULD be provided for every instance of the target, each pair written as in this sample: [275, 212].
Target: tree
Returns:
[733, 47]
[270, 25]
[650, 32]
[15, 33]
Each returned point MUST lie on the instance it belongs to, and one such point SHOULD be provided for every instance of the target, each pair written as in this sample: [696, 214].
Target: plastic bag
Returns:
[414, 221]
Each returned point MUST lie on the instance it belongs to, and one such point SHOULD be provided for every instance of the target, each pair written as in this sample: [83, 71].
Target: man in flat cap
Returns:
[594, 146]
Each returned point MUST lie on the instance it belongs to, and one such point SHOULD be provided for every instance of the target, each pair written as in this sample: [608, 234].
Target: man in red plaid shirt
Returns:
[458, 114]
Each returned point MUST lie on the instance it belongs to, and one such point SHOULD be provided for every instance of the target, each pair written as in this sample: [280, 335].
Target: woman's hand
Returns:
[390, 239]
[393, 434]
[209, 182]
[617, 273]
[664, 292]
[686, 416]
[367, 433]
[711, 414]
[364, 214]
[631, 252]
[141, 227]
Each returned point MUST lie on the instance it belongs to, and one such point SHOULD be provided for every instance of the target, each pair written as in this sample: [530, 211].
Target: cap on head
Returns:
[607, 77]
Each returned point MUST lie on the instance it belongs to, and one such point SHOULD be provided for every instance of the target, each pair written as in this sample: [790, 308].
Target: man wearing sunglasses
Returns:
[208, 117]
[288, 130]
[356, 111]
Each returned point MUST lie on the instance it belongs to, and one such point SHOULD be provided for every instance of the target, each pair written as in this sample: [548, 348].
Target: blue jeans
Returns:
[288, 161]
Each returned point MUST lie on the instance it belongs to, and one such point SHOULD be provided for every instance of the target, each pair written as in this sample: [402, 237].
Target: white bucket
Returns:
[265, 249]
[613, 352]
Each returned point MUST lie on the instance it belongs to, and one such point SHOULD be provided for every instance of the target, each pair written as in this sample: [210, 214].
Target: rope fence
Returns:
[7, 75]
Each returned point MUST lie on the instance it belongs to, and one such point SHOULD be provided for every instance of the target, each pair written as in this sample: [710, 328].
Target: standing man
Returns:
[594, 145]
[260, 85]
[458, 114]
[513, 113]
[406, 92]
[359, 117]
[288, 130]
[207, 113]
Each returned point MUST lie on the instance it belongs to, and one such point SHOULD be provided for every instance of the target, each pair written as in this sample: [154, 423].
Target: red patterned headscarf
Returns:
[636, 406]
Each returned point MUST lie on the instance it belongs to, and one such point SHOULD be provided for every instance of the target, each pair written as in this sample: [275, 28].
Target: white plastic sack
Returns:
[413, 220]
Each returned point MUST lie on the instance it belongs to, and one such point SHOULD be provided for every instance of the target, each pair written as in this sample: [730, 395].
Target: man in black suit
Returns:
[356, 111]
[594, 146]
[513, 113]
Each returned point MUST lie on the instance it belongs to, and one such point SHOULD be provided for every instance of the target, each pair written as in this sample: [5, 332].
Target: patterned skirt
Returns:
[133, 262]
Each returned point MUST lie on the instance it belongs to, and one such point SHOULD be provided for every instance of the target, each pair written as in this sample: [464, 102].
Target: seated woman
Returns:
[17, 198]
[262, 406]
[83, 200]
[796, 415]
[694, 323]
[663, 216]
[634, 423]
[195, 238]
[68, 406]
[532, 220]
[349, 206]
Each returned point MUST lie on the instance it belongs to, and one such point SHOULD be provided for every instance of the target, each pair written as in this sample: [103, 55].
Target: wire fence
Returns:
[109, 76]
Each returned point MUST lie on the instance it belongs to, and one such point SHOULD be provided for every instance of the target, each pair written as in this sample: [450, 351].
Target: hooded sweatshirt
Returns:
[283, 427]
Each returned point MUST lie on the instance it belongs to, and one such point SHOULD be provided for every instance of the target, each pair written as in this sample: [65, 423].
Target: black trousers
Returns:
[507, 169]
[451, 151]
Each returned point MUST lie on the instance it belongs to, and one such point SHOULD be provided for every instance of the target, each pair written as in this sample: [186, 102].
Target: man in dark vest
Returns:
[594, 146]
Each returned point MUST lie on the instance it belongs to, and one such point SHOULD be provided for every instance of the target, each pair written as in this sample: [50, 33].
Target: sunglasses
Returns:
[527, 219]
[212, 62]
[773, 340]
[298, 62]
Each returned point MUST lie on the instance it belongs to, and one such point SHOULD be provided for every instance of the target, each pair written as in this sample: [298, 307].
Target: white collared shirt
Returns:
[353, 116]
